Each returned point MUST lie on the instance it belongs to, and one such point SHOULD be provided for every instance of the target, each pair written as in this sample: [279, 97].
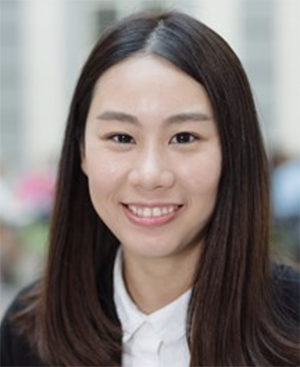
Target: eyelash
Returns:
[127, 139]
[190, 137]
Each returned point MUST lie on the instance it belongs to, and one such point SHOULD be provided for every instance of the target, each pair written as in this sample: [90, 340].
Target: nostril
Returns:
[151, 179]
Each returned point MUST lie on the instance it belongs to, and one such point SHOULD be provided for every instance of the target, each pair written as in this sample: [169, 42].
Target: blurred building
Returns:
[44, 44]
[11, 120]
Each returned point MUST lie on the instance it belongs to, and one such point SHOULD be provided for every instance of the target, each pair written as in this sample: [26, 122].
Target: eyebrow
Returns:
[117, 116]
[188, 116]
[174, 119]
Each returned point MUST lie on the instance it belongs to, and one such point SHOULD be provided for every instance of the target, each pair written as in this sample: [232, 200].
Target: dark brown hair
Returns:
[233, 319]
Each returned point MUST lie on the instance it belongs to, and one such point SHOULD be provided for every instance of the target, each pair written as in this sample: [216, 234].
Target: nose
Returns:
[151, 171]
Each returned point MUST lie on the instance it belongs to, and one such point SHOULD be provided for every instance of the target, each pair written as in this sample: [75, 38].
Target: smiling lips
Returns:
[147, 212]
[151, 216]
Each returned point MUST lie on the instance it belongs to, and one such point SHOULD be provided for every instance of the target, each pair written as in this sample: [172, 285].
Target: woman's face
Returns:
[152, 156]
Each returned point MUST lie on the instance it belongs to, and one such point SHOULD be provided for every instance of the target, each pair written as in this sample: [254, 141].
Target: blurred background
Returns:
[43, 47]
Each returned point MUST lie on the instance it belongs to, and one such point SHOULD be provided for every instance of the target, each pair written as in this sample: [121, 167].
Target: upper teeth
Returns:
[146, 212]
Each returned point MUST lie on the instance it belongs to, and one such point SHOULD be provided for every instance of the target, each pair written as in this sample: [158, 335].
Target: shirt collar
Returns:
[169, 322]
[130, 316]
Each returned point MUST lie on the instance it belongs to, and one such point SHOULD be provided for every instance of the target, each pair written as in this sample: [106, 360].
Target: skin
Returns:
[151, 141]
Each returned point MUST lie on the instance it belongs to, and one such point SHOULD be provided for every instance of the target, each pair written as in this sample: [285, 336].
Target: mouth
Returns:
[151, 216]
[152, 212]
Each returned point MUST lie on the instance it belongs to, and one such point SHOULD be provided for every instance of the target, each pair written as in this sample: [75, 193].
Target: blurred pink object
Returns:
[36, 190]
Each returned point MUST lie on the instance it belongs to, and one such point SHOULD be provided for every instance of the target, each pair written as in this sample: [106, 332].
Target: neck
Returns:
[155, 282]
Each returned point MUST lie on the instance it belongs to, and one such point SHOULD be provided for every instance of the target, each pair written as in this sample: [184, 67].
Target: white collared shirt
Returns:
[155, 340]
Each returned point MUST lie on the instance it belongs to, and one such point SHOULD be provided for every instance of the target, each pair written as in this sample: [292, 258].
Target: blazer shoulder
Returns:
[15, 346]
[286, 281]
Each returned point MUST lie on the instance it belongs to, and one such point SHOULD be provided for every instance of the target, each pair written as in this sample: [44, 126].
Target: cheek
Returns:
[202, 175]
[102, 172]
[102, 182]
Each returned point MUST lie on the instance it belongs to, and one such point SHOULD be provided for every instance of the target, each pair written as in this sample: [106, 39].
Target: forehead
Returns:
[149, 84]
[137, 64]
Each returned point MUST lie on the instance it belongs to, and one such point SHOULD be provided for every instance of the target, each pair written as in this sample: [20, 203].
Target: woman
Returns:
[159, 239]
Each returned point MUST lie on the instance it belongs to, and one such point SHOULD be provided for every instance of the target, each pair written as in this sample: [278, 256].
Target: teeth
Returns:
[151, 212]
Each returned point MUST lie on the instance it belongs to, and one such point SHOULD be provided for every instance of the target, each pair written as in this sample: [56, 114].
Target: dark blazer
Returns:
[16, 351]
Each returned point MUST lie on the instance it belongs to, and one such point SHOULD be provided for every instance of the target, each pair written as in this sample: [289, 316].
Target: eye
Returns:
[184, 138]
[122, 138]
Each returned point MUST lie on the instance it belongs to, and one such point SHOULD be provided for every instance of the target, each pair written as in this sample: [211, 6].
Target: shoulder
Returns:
[15, 347]
[286, 285]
